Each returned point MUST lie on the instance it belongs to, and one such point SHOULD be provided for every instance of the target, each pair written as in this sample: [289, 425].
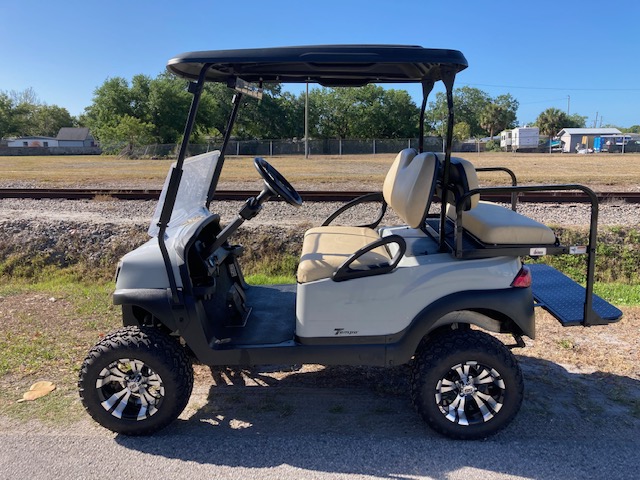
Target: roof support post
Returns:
[174, 182]
[448, 78]
[176, 173]
[225, 142]
[427, 86]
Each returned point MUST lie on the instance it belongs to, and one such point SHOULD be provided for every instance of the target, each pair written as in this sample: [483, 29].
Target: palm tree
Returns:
[492, 119]
[551, 121]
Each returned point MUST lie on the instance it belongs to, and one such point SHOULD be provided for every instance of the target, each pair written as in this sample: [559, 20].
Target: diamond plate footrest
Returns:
[564, 299]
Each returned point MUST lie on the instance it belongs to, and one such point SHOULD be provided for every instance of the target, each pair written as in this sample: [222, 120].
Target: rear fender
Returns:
[506, 310]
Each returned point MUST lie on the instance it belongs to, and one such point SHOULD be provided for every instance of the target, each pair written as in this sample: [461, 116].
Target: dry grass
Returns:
[609, 349]
[600, 172]
[82, 171]
[45, 336]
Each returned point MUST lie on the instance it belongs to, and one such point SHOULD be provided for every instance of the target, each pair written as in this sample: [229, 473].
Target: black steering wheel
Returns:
[276, 183]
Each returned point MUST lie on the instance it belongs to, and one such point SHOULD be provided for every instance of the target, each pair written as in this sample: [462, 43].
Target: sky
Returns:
[579, 56]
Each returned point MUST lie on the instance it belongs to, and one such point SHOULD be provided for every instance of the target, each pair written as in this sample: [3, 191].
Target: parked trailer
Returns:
[520, 139]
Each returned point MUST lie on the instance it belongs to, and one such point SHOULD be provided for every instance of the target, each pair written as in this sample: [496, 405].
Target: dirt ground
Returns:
[574, 374]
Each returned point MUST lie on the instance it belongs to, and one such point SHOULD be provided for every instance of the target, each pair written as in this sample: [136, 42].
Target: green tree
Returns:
[129, 132]
[22, 113]
[499, 115]
[483, 114]
[111, 101]
[47, 120]
[461, 131]
[7, 124]
[331, 112]
[509, 107]
[492, 119]
[576, 121]
[167, 106]
[468, 103]
[139, 94]
[395, 115]
[366, 112]
[632, 129]
[551, 121]
[277, 115]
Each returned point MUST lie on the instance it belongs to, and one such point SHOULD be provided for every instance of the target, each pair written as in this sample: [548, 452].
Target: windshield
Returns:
[192, 193]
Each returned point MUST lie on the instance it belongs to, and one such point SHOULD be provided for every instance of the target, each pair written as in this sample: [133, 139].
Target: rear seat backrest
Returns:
[409, 186]
[462, 179]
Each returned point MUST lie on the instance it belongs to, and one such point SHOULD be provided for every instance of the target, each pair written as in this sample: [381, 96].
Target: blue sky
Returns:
[542, 53]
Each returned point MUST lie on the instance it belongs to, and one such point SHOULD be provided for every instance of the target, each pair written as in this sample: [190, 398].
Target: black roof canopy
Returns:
[329, 65]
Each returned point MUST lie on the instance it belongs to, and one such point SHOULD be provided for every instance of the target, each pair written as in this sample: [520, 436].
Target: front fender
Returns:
[156, 301]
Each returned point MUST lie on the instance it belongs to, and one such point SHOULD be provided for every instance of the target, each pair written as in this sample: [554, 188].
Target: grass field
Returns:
[601, 172]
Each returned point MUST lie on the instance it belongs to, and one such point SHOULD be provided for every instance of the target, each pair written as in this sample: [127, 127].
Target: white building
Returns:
[33, 142]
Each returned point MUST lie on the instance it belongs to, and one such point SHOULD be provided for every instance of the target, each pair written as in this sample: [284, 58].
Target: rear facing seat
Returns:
[489, 222]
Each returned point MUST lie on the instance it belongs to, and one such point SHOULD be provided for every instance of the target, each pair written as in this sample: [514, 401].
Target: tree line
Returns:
[24, 114]
[149, 110]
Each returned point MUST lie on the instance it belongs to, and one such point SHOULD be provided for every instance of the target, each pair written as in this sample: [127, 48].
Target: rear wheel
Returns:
[136, 381]
[466, 384]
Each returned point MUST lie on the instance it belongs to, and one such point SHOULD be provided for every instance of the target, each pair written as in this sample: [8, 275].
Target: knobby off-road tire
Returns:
[136, 381]
[466, 384]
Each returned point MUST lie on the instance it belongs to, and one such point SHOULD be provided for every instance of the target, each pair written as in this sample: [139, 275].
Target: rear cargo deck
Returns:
[564, 299]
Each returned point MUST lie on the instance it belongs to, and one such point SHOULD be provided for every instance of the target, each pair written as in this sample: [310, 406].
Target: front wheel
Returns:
[466, 384]
[136, 381]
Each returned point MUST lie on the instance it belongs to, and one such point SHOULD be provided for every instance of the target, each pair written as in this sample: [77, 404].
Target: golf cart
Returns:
[417, 293]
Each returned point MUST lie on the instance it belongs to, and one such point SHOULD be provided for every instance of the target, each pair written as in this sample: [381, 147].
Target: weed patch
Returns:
[617, 256]
[47, 330]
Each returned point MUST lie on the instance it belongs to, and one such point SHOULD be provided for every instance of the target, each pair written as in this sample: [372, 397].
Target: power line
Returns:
[555, 88]
[563, 99]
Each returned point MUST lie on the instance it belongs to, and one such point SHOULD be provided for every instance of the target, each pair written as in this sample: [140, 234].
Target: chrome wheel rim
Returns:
[470, 393]
[129, 389]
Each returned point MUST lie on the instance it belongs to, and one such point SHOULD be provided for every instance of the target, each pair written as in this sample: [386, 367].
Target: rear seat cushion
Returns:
[326, 248]
[497, 225]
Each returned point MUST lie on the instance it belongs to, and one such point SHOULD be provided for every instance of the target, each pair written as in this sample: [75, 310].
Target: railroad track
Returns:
[307, 195]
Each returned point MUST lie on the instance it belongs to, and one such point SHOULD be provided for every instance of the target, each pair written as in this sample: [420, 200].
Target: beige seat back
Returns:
[409, 185]
[462, 178]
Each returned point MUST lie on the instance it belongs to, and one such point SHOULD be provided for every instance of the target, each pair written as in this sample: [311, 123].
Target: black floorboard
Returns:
[272, 319]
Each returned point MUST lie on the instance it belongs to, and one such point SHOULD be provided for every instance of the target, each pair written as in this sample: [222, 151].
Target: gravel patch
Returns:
[96, 233]
[279, 213]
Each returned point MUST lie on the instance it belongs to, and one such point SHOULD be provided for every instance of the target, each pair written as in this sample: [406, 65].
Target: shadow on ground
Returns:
[353, 420]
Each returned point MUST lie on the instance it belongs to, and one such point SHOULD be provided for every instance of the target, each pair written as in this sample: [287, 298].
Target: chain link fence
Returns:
[269, 148]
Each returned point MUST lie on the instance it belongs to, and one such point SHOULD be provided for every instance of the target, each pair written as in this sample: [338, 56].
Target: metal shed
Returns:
[571, 137]
[75, 137]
